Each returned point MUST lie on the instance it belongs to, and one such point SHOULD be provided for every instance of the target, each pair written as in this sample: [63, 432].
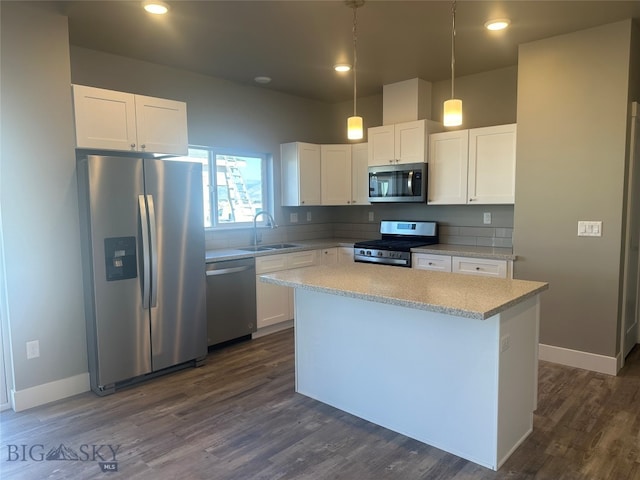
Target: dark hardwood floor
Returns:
[238, 417]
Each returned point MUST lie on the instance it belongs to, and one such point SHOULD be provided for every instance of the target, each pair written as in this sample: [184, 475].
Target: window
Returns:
[234, 185]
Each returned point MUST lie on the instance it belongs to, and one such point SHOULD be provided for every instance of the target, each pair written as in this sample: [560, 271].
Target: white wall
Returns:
[39, 201]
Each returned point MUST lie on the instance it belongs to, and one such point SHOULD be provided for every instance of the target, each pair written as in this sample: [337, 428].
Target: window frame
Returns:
[266, 183]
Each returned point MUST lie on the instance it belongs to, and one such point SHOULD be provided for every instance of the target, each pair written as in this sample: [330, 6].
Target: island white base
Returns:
[463, 385]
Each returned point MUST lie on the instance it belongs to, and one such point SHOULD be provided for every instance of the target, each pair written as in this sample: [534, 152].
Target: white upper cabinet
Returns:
[161, 125]
[492, 164]
[381, 141]
[400, 143]
[300, 167]
[335, 171]
[110, 120]
[473, 166]
[360, 174]
[448, 160]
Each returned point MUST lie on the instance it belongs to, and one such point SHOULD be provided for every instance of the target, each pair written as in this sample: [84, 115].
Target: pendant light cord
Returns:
[453, 45]
[355, 55]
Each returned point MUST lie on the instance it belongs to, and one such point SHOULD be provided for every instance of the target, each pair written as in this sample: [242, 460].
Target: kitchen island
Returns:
[446, 359]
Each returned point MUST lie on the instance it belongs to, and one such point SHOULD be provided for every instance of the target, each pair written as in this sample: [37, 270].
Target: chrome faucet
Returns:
[271, 223]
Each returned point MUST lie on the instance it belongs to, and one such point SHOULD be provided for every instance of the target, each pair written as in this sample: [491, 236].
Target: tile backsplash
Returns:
[454, 235]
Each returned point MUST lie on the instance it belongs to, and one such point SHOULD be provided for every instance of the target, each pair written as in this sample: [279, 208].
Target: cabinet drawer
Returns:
[438, 263]
[479, 266]
[302, 259]
[271, 263]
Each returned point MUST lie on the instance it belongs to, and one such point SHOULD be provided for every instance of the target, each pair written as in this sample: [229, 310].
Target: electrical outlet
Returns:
[308, 216]
[486, 218]
[505, 343]
[293, 217]
[33, 349]
[371, 216]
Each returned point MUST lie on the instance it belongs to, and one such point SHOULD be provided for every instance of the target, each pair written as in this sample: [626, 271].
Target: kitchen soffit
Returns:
[296, 43]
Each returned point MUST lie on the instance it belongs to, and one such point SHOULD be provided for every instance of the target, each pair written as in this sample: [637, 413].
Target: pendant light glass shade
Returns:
[452, 115]
[354, 128]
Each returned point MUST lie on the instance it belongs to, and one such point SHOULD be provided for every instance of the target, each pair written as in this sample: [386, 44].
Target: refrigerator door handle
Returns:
[144, 228]
[153, 234]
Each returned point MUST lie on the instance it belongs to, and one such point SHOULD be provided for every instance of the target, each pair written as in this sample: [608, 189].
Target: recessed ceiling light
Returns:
[262, 79]
[497, 24]
[156, 7]
[342, 67]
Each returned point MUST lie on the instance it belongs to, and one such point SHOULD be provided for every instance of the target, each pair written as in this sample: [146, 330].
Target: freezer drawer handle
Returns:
[145, 250]
[153, 234]
[224, 271]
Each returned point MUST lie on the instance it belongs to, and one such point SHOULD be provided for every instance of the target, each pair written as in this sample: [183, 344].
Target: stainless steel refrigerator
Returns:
[144, 267]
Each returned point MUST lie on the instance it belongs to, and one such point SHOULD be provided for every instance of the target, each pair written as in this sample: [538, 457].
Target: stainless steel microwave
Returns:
[398, 183]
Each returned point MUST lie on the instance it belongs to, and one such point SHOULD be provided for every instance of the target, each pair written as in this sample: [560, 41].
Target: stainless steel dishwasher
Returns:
[231, 300]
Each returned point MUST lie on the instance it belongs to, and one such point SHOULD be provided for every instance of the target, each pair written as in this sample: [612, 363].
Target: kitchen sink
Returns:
[264, 248]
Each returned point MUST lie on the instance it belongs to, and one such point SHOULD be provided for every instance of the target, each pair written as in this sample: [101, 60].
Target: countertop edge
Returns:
[477, 315]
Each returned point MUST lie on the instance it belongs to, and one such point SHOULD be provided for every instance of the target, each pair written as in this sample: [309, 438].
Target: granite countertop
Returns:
[449, 293]
[499, 253]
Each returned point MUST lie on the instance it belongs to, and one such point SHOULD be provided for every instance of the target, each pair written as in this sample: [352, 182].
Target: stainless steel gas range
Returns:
[398, 238]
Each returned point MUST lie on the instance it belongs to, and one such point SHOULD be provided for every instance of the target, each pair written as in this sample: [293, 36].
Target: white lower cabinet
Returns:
[486, 267]
[437, 263]
[329, 256]
[274, 303]
[479, 266]
[345, 254]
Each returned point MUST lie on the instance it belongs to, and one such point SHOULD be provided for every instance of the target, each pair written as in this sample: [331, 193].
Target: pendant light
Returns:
[452, 115]
[354, 123]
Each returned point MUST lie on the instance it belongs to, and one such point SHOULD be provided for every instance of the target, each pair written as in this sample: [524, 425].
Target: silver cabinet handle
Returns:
[133, 145]
[143, 146]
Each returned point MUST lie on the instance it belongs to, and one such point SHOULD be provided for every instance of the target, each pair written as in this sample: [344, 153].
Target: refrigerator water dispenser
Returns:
[120, 258]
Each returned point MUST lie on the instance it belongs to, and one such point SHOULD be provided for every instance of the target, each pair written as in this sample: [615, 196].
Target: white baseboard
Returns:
[49, 392]
[5, 406]
[579, 359]
[272, 329]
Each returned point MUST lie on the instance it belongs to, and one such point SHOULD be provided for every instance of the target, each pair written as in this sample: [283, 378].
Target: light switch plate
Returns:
[308, 216]
[486, 218]
[293, 217]
[589, 228]
[371, 216]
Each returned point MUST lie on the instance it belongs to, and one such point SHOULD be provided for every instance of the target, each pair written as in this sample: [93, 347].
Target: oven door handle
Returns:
[410, 182]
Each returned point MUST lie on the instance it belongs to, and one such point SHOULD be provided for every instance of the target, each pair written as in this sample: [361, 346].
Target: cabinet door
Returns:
[345, 254]
[492, 164]
[448, 159]
[105, 119]
[161, 125]
[329, 256]
[300, 174]
[480, 266]
[381, 145]
[410, 142]
[335, 171]
[271, 263]
[360, 174]
[437, 263]
[307, 258]
[273, 304]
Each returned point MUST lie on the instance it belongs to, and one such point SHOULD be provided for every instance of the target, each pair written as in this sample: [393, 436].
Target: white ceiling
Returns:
[296, 43]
